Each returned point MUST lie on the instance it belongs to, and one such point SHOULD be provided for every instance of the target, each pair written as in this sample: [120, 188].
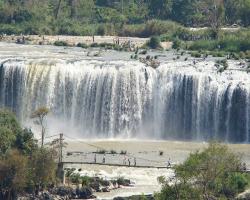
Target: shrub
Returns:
[94, 45]
[153, 27]
[60, 43]
[101, 151]
[113, 152]
[82, 45]
[154, 42]
[203, 45]
[101, 30]
[196, 54]
[123, 181]
[123, 152]
[176, 44]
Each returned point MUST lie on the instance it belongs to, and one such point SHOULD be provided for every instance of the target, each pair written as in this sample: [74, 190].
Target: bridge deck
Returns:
[131, 166]
[116, 165]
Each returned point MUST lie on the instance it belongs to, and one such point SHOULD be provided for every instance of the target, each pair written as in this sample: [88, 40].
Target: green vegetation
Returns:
[23, 165]
[116, 17]
[154, 43]
[161, 20]
[214, 173]
[61, 43]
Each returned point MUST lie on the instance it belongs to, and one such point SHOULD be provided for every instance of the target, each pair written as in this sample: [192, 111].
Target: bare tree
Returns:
[40, 115]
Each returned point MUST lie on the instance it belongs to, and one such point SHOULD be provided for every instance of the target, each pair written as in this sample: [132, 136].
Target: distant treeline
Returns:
[112, 17]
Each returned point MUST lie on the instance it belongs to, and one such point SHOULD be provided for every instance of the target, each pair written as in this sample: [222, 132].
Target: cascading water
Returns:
[111, 99]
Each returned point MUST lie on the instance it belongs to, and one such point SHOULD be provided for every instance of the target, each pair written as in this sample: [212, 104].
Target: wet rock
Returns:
[96, 186]
[47, 196]
[136, 197]
[64, 191]
[105, 189]
[123, 182]
[84, 193]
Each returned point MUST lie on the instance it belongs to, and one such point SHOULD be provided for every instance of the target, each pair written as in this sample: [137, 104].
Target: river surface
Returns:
[147, 153]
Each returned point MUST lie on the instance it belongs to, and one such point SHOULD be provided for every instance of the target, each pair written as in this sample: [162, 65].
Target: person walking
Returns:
[169, 163]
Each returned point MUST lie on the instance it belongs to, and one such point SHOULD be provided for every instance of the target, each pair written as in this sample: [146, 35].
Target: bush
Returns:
[101, 30]
[123, 152]
[153, 27]
[154, 42]
[113, 152]
[9, 29]
[82, 45]
[196, 54]
[94, 45]
[176, 44]
[123, 181]
[102, 151]
[60, 43]
[203, 45]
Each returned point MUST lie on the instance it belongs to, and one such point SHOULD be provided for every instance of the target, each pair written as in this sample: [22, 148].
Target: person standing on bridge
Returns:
[104, 159]
[124, 160]
[129, 162]
[95, 158]
[134, 161]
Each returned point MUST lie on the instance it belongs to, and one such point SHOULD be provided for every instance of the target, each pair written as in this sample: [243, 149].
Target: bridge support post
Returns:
[61, 173]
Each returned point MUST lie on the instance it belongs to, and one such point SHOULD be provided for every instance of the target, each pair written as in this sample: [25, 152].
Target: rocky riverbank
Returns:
[85, 190]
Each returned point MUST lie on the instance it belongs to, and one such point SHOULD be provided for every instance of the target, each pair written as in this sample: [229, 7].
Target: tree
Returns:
[26, 142]
[245, 11]
[7, 139]
[13, 174]
[209, 174]
[43, 169]
[214, 12]
[8, 120]
[183, 11]
[9, 129]
[40, 115]
[161, 9]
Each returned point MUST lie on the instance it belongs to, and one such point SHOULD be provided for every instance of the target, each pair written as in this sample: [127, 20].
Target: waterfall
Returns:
[109, 99]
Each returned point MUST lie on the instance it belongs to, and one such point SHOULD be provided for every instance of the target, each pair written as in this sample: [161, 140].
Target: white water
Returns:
[110, 98]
